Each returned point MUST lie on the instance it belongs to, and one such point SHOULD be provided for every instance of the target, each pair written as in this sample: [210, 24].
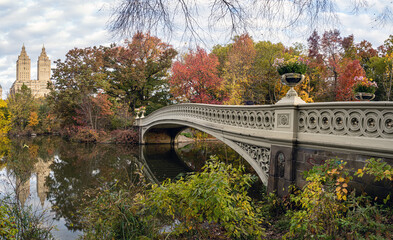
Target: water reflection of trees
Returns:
[79, 167]
[66, 170]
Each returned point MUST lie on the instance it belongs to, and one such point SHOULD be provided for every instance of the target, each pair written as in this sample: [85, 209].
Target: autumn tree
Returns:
[387, 46]
[20, 106]
[349, 47]
[335, 61]
[381, 71]
[138, 71]
[316, 71]
[94, 111]
[365, 52]
[33, 120]
[349, 69]
[265, 84]
[249, 72]
[196, 79]
[79, 75]
[331, 45]
[387, 82]
[238, 69]
[5, 121]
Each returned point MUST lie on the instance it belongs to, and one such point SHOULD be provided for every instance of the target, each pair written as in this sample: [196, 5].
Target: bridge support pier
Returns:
[282, 169]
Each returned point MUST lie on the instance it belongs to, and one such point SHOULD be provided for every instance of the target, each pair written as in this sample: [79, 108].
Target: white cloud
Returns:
[60, 25]
[66, 24]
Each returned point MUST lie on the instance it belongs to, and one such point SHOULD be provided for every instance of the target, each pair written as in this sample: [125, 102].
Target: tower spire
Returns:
[23, 49]
[43, 52]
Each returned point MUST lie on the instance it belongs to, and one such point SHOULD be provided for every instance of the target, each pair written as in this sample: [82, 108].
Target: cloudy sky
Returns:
[64, 24]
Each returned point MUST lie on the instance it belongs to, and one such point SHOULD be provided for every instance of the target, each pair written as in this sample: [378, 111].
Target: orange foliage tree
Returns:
[94, 111]
[33, 120]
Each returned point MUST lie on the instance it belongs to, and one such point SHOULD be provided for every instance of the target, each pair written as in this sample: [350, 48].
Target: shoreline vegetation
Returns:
[128, 136]
[214, 204]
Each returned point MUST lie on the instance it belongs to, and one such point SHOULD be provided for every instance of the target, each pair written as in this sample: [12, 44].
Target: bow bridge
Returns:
[280, 141]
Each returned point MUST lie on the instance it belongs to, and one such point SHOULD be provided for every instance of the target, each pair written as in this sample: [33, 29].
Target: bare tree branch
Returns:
[235, 16]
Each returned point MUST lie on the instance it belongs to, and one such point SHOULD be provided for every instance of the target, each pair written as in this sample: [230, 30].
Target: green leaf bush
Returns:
[22, 222]
[217, 196]
[325, 209]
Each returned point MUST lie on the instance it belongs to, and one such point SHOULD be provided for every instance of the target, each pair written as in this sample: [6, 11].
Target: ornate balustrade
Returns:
[371, 119]
[354, 125]
[255, 117]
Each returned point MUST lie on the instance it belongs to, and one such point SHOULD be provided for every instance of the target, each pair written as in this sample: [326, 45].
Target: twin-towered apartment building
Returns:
[23, 66]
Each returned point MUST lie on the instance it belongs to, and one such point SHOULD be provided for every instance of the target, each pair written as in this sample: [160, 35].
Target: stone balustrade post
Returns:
[283, 155]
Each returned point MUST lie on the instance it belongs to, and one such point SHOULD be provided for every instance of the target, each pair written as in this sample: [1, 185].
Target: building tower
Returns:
[43, 67]
[23, 66]
[43, 73]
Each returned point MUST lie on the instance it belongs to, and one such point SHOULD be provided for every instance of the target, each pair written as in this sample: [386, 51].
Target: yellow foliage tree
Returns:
[5, 119]
[304, 90]
[5, 127]
[238, 69]
[33, 119]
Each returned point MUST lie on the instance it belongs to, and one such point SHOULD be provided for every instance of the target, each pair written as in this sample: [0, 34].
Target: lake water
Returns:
[51, 174]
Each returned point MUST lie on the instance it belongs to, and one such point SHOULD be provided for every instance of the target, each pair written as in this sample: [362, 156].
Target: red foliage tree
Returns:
[196, 78]
[348, 71]
[365, 51]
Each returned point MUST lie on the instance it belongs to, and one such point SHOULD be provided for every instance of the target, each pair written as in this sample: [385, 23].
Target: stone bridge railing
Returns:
[254, 117]
[362, 125]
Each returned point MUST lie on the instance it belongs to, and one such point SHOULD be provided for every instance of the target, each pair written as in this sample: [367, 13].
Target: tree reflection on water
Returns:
[64, 171]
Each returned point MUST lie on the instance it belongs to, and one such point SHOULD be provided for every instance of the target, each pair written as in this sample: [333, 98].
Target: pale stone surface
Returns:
[291, 98]
[23, 64]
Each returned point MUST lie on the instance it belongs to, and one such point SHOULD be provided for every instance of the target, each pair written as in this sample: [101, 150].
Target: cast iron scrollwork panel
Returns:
[260, 155]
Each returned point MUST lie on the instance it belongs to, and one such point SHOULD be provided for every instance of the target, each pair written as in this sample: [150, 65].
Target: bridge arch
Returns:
[281, 141]
[165, 131]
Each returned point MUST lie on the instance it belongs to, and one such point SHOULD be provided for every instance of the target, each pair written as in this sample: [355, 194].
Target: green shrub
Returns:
[114, 212]
[326, 210]
[377, 168]
[186, 134]
[21, 222]
[216, 197]
[293, 65]
[8, 228]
